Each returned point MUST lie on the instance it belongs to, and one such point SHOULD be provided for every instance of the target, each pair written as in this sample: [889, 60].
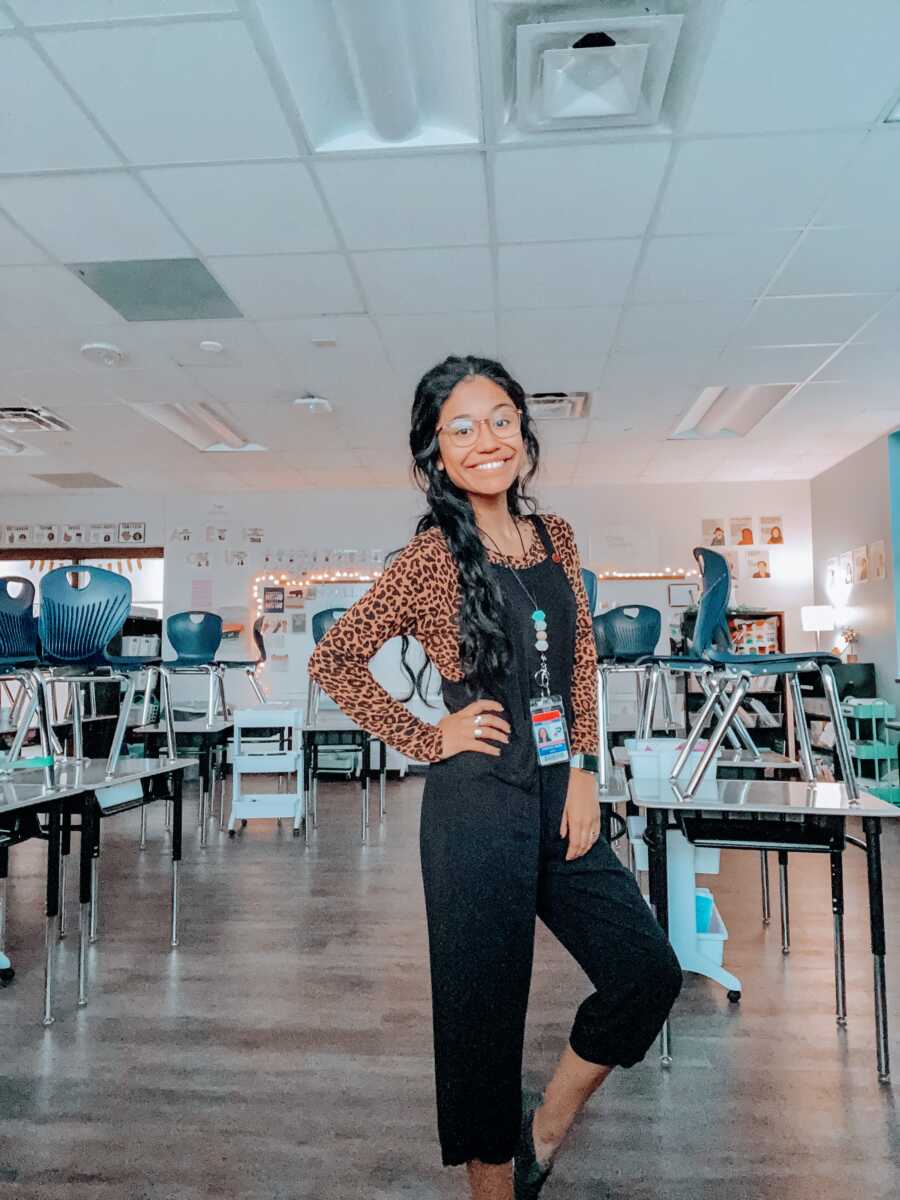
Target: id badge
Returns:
[548, 728]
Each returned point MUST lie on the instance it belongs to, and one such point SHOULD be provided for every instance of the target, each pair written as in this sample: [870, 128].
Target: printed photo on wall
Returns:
[217, 534]
[731, 557]
[740, 530]
[17, 535]
[298, 622]
[832, 574]
[713, 531]
[200, 559]
[132, 532]
[46, 535]
[861, 564]
[181, 533]
[876, 560]
[74, 535]
[756, 564]
[295, 597]
[273, 600]
[236, 558]
[846, 571]
[254, 535]
[771, 531]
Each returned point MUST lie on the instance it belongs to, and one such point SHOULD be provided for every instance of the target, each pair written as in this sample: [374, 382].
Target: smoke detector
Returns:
[558, 406]
[312, 403]
[104, 354]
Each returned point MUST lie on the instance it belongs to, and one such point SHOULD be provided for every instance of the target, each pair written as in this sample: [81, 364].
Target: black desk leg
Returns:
[306, 744]
[872, 829]
[6, 972]
[364, 783]
[65, 848]
[177, 780]
[657, 824]
[90, 821]
[382, 779]
[50, 932]
[837, 908]
[94, 839]
[206, 787]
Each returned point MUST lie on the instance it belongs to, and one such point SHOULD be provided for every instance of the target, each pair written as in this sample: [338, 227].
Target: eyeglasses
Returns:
[505, 424]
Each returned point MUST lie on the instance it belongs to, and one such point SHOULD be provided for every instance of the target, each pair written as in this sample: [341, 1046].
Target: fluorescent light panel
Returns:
[199, 426]
[723, 412]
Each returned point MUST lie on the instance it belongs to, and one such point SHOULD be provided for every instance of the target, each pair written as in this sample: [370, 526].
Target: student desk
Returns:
[330, 728]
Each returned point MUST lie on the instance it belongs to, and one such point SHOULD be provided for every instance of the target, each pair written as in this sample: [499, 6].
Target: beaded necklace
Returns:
[538, 617]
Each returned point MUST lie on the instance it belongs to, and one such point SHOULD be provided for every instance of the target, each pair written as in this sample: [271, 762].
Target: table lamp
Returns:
[816, 618]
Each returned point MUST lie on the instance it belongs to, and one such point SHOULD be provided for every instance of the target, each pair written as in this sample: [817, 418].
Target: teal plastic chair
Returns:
[18, 658]
[321, 622]
[589, 579]
[195, 636]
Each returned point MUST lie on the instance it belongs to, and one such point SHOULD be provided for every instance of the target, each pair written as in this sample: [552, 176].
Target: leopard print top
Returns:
[418, 594]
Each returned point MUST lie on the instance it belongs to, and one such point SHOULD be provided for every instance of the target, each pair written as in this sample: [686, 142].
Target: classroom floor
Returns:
[284, 1049]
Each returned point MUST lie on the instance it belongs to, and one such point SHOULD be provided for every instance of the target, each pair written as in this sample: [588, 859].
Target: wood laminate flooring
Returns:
[284, 1049]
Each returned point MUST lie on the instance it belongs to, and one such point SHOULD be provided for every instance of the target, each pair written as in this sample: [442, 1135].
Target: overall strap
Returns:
[543, 535]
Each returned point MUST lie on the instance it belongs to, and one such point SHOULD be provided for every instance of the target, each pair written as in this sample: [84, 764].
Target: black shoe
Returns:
[529, 1176]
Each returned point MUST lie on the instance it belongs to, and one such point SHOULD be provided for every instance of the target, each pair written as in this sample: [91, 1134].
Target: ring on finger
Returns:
[479, 719]
[478, 733]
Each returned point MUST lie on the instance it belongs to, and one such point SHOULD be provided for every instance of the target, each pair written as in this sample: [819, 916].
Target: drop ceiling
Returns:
[747, 235]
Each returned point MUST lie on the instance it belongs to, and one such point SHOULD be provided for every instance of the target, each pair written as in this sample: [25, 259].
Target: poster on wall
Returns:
[876, 560]
[254, 536]
[217, 535]
[731, 558]
[132, 533]
[832, 574]
[771, 531]
[17, 535]
[846, 572]
[756, 564]
[235, 558]
[861, 564]
[295, 597]
[181, 533]
[103, 535]
[298, 622]
[46, 535]
[713, 531]
[273, 600]
[199, 559]
[74, 535]
[740, 531]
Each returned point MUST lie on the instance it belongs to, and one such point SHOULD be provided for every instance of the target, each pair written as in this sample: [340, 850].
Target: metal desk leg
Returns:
[314, 784]
[94, 839]
[89, 817]
[764, 875]
[222, 784]
[142, 843]
[602, 730]
[657, 823]
[177, 780]
[837, 907]
[206, 788]
[307, 768]
[785, 902]
[65, 849]
[872, 829]
[364, 785]
[50, 931]
[382, 777]
[4, 872]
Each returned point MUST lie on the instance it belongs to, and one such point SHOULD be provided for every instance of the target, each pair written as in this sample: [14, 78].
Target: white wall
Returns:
[851, 506]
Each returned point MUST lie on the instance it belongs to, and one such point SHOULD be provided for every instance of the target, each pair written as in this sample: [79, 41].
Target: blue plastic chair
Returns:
[323, 620]
[589, 579]
[18, 627]
[195, 637]
[250, 665]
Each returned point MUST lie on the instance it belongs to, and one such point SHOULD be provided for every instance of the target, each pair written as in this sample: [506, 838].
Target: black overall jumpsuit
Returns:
[492, 860]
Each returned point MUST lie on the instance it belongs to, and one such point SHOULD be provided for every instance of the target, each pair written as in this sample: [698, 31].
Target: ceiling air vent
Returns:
[31, 420]
[591, 73]
[558, 406]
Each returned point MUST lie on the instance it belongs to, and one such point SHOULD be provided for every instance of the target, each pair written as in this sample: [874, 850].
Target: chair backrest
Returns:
[195, 636]
[76, 624]
[18, 628]
[589, 579]
[323, 620]
[711, 628]
[628, 632]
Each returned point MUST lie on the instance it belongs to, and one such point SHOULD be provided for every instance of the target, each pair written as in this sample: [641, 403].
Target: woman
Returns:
[510, 823]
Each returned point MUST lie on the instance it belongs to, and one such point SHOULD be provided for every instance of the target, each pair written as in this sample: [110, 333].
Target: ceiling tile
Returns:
[15, 248]
[776, 66]
[263, 208]
[728, 184]
[875, 362]
[191, 92]
[577, 192]
[48, 298]
[42, 128]
[749, 365]
[803, 320]
[64, 12]
[866, 193]
[655, 327]
[417, 342]
[885, 327]
[720, 266]
[410, 281]
[288, 285]
[557, 349]
[566, 274]
[92, 218]
[842, 260]
[628, 372]
[421, 200]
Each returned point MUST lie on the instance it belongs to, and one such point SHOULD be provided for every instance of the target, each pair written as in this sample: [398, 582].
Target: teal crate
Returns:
[867, 709]
[885, 792]
[870, 750]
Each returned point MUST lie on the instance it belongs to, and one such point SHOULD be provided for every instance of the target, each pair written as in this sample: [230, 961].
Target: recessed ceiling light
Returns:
[312, 403]
[210, 347]
[724, 412]
[105, 354]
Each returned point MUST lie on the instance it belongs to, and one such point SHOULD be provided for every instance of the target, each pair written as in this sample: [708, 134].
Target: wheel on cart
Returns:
[7, 974]
[734, 997]
[231, 833]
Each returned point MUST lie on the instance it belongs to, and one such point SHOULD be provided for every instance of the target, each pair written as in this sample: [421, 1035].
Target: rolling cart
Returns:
[277, 749]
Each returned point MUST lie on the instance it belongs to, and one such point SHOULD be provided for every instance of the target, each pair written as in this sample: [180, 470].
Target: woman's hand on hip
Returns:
[475, 727]
[581, 815]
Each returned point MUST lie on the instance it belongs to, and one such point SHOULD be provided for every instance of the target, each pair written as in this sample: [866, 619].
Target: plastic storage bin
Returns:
[711, 943]
[652, 759]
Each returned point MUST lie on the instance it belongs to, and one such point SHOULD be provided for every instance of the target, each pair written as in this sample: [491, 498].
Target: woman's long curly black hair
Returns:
[484, 643]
